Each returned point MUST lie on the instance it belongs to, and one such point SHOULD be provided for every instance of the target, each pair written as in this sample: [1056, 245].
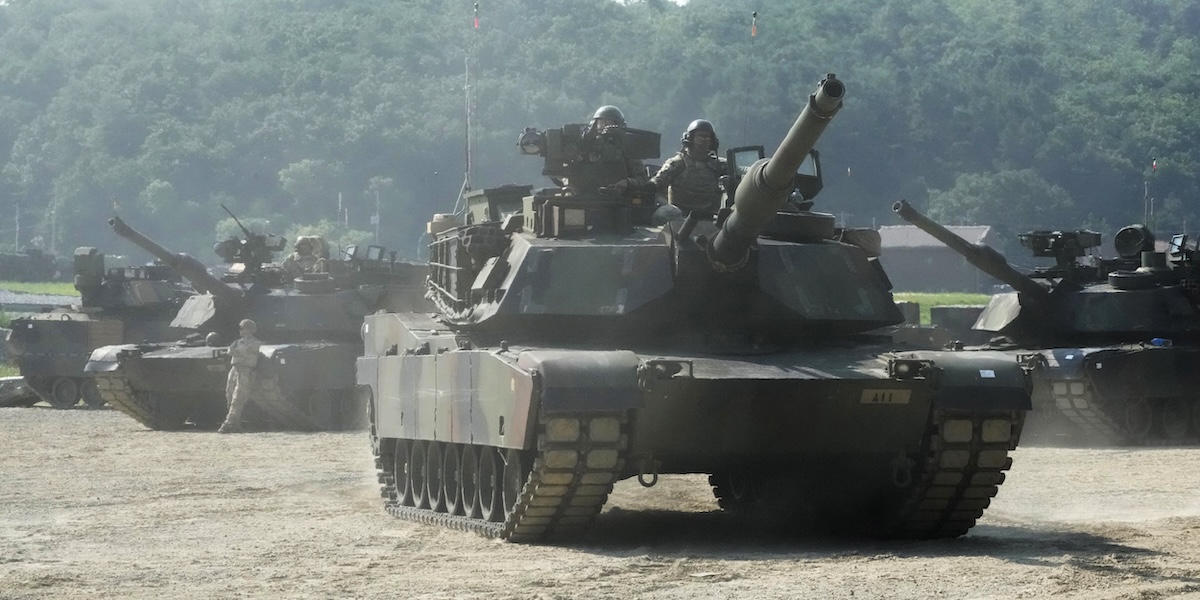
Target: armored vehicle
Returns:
[30, 264]
[15, 392]
[118, 305]
[1115, 341]
[577, 344]
[308, 321]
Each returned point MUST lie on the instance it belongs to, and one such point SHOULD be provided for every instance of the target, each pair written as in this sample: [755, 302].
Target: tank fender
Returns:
[105, 358]
[977, 380]
[580, 380]
[1062, 364]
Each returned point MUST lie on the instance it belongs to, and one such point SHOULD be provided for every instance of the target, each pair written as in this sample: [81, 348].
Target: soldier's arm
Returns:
[667, 173]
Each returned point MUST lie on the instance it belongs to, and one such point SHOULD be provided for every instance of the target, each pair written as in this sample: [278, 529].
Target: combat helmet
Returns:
[611, 113]
[701, 125]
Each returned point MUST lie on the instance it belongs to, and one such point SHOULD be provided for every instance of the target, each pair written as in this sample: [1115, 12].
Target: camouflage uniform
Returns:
[306, 258]
[604, 165]
[692, 184]
[243, 363]
[297, 263]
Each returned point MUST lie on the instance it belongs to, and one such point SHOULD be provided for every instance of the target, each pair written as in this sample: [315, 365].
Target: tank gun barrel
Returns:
[187, 266]
[768, 183]
[982, 257]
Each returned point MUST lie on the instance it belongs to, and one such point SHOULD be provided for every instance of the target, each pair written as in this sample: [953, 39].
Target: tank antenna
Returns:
[460, 205]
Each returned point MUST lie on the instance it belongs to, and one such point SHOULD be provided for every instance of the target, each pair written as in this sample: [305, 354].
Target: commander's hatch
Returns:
[807, 185]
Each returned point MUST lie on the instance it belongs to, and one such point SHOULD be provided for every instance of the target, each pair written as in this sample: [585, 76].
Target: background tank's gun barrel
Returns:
[768, 183]
[185, 265]
[982, 257]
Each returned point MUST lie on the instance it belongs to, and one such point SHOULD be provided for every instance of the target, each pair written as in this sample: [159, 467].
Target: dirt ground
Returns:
[93, 505]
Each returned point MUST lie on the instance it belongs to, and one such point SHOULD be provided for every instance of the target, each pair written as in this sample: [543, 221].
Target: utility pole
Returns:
[375, 219]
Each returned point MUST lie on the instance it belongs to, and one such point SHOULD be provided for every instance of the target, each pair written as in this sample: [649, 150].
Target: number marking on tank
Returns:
[886, 396]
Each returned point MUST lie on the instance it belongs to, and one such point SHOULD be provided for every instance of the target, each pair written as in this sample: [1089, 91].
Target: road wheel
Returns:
[90, 393]
[452, 479]
[469, 478]
[418, 472]
[401, 465]
[488, 483]
[1175, 414]
[64, 393]
[321, 410]
[1139, 418]
[433, 476]
[516, 472]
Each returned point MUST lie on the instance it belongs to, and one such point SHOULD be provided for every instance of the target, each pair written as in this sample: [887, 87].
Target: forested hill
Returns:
[1019, 113]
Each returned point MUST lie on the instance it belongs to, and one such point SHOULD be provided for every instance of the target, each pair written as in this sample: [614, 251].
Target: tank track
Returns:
[937, 495]
[289, 413]
[1108, 420]
[572, 474]
[149, 410]
[1076, 400]
[963, 469]
[282, 413]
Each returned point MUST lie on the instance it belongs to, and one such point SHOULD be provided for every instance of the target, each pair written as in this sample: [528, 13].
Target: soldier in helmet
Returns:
[604, 164]
[243, 364]
[305, 257]
[692, 178]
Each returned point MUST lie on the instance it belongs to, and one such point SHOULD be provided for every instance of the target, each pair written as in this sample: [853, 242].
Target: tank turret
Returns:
[187, 266]
[308, 316]
[1111, 341]
[768, 183]
[116, 305]
[984, 258]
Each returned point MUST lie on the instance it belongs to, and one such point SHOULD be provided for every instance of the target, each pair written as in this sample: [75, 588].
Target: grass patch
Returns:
[929, 300]
[58, 288]
[7, 370]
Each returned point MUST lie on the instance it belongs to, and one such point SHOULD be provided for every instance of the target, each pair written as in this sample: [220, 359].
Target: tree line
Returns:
[317, 115]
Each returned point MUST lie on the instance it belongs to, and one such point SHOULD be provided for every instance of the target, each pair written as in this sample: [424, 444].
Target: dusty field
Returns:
[92, 505]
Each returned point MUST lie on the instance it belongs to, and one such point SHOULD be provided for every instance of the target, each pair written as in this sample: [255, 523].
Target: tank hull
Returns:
[1126, 394]
[51, 349]
[828, 436]
[301, 387]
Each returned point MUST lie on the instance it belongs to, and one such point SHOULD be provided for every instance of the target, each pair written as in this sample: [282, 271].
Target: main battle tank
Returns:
[309, 325]
[575, 345]
[119, 305]
[1114, 342]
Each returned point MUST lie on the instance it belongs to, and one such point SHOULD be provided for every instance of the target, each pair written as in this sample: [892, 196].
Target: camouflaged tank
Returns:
[1114, 342]
[309, 327]
[119, 305]
[576, 343]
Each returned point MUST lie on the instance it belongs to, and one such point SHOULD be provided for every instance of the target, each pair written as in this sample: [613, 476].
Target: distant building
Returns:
[916, 262]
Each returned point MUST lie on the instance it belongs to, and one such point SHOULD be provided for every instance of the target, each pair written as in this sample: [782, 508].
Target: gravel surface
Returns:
[93, 505]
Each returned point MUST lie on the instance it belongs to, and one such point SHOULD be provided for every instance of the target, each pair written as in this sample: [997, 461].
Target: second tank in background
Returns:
[308, 322]
[1114, 343]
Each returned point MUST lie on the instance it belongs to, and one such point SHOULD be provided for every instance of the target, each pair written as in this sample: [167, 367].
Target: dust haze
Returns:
[94, 505]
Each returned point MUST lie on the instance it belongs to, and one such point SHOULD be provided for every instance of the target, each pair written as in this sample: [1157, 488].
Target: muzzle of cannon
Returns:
[982, 257]
[769, 182]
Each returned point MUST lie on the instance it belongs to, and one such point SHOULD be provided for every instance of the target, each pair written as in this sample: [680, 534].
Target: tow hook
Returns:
[648, 472]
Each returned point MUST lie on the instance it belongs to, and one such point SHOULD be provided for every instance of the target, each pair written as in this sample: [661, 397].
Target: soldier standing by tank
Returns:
[604, 164]
[692, 178]
[243, 365]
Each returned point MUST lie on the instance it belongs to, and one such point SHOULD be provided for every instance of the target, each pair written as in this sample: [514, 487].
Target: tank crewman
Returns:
[692, 178]
[243, 365]
[305, 257]
[604, 165]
